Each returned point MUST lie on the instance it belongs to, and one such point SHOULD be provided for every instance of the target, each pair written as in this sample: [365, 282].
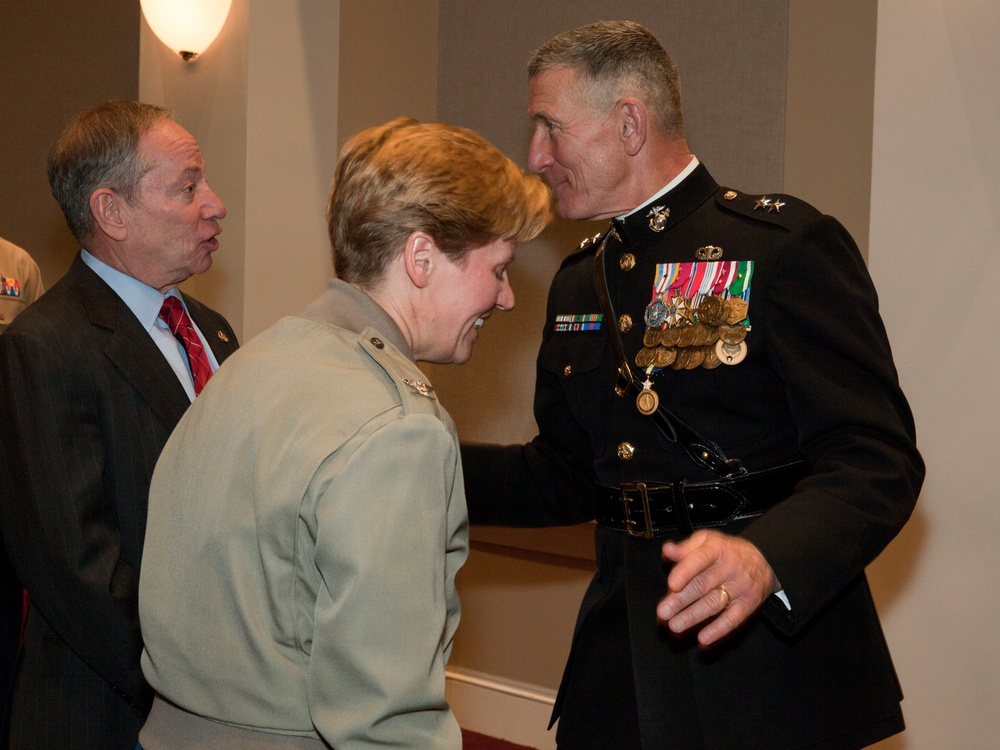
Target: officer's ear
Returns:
[633, 121]
[419, 258]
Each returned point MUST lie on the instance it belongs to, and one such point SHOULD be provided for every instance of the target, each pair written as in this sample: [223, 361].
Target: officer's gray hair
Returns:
[618, 59]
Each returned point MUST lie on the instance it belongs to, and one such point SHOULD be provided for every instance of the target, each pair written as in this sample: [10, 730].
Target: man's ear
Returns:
[633, 122]
[419, 257]
[108, 209]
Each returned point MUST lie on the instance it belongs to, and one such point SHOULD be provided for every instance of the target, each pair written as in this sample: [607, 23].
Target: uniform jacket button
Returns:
[626, 451]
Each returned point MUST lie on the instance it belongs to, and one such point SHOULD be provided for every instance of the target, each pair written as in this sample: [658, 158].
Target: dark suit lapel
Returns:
[130, 348]
[215, 328]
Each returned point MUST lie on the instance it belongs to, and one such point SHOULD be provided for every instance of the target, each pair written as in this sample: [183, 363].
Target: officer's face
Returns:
[575, 147]
[459, 299]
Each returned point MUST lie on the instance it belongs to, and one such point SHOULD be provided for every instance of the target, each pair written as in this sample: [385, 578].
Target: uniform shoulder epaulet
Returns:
[590, 241]
[587, 245]
[773, 208]
[416, 395]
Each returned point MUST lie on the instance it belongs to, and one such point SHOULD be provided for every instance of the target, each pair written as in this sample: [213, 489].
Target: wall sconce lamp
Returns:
[188, 27]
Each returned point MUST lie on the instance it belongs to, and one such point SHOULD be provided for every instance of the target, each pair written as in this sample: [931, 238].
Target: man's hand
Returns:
[715, 576]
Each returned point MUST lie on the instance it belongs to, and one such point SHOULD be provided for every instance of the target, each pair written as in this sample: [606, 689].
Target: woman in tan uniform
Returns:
[307, 517]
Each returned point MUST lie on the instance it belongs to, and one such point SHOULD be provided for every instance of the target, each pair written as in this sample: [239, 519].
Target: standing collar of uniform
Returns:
[684, 194]
[346, 306]
[669, 186]
[143, 300]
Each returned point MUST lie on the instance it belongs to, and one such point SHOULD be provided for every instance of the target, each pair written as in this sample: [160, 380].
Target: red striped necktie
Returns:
[175, 316]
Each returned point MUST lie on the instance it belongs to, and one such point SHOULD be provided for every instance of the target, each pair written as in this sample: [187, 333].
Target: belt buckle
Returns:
[630, 524]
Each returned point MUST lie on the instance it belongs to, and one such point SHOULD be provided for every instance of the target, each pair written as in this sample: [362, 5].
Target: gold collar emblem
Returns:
[658, 218]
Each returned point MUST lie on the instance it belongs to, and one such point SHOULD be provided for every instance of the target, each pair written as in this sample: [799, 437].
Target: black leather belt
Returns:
[649, 509]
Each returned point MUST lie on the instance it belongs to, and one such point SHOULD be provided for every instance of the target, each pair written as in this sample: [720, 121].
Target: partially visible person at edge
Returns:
[752, 318]
[307, 517]
[92, 381]
[20, 282]
[20, 285]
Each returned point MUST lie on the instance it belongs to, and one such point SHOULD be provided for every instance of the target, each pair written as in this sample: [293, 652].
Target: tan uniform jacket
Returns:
[307, 519]
[20, 282]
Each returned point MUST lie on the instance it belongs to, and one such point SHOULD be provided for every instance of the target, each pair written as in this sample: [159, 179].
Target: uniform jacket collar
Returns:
[346, 306]
[641, 226]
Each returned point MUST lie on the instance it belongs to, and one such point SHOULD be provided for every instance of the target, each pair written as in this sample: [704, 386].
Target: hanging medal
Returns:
[647, 401]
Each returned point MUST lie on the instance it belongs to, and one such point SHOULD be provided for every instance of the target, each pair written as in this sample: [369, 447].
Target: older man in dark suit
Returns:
[93, 378]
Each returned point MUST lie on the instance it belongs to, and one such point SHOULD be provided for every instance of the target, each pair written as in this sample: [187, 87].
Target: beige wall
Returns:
[935, 238]
[828, 120]
[388, 62]
[49, 71]
[262, 102]
[209, 96]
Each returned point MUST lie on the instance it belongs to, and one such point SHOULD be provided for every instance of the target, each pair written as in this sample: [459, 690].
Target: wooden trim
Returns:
[570, 546]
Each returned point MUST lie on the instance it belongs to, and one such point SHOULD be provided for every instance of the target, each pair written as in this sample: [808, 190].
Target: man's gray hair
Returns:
[617, 59]
[100, 148]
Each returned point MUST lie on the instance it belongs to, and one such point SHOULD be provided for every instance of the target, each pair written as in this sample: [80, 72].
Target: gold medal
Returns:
[736, 310]
[732, 334]
[681, 360]
[669, 336]
[686, 336]
[651, 337]
[647, 401]
[712, 311]
[645, 357]
[703, 335]
[695, 357]
[711, 358]
[731, 354]
[665, 357]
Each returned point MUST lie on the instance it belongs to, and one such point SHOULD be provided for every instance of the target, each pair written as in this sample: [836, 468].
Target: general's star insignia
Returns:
[775, 206]
[762, 202]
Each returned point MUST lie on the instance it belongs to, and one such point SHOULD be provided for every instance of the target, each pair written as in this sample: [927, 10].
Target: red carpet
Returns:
[476, 741]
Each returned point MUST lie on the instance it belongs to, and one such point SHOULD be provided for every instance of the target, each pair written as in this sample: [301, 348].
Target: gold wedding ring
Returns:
[725, 595]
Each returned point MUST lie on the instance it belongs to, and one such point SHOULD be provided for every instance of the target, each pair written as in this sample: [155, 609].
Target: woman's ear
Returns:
[419, 258]
[109, 211]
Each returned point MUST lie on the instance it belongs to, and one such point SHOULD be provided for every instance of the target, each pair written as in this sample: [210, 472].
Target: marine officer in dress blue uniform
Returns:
[708, 336]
